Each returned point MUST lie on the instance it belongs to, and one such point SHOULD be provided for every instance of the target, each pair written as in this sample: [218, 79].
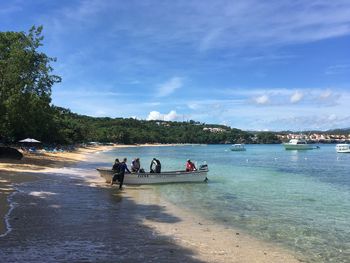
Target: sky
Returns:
[249, 64]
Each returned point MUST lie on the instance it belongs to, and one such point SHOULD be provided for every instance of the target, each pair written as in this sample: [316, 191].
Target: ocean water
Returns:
[297, 199]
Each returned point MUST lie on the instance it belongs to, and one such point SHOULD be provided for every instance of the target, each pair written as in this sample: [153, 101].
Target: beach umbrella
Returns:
[30, 140]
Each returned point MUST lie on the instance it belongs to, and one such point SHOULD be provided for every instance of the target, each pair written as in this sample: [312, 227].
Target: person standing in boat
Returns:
[155, 166]
[190, 166]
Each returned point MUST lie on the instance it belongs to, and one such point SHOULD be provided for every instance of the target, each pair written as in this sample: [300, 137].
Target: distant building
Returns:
[214, 130]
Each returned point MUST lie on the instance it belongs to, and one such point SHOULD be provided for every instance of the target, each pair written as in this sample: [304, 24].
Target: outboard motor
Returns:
[203, 167]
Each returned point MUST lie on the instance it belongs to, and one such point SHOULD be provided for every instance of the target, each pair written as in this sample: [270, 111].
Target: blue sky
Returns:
[254, 65]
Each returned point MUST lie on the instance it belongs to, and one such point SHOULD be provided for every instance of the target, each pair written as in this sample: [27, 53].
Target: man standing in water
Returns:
[116, 169]
[122, 168]
[119, 169]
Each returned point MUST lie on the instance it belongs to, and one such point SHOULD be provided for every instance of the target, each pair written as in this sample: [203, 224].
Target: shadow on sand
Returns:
[60, 219]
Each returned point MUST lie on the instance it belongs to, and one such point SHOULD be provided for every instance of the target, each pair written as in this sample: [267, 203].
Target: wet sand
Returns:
[19, 171]
[61, 215]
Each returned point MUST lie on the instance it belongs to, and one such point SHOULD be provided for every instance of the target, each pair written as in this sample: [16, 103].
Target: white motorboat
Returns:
[298, 144]
[342, 148]
[238, 147]
[199, 175]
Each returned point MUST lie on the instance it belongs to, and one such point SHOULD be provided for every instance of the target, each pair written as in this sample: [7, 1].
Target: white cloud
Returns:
[169, 87]
[329, 98]
[209, 25]
[156, 115]
[338, 69]
[332, 117]
[223, 23]
[310, 122]
[100, 113]
[193, 105]
[86, 93]
[326, 94]
[296, 97]
[262, 100]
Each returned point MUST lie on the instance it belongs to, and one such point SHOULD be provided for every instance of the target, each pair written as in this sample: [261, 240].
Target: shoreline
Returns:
[28, 169]
[210, 241]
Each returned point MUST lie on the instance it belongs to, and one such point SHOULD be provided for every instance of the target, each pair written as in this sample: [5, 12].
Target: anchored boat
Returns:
[199, 175]
[298, 144]
[238, 147]
[342, 148]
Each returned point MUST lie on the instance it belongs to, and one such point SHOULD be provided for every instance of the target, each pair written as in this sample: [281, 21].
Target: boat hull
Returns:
[238, 148]
[342, 148]
[343, 151]
[157, 178]
[298, 146]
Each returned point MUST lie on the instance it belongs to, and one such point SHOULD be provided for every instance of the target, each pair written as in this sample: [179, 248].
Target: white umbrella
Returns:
[30, 140]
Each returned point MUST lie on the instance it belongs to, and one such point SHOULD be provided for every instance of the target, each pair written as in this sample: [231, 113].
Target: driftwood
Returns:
[10, 153]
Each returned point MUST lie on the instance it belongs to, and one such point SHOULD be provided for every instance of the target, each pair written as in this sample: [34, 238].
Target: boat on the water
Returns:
[238, 147]
[181, 176]
[342, 148]
[298, 144]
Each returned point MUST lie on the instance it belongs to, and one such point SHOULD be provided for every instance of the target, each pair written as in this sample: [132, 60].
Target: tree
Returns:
[267, 137]
[26, 80]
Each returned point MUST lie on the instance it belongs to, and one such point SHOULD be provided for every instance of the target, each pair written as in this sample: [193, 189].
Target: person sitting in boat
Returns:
[155, 166]
[190, 166]
[135, 165]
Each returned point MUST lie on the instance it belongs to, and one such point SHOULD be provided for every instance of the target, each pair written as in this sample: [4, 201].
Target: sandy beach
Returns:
[59, 216]
[25, 170]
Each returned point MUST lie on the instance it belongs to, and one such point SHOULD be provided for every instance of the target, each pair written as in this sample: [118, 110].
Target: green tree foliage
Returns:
[79, 128]
[267, 137]
[25, 86]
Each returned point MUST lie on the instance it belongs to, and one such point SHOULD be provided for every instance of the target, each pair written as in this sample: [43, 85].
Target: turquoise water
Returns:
[298, 199]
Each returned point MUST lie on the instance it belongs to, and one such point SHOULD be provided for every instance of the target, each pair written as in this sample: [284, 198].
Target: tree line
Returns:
[26, 81]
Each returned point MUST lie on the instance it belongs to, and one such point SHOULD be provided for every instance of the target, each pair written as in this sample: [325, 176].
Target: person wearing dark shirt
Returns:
[122, 168]
[135, 165]
[155, 166]
[116, 170]
[116, 165]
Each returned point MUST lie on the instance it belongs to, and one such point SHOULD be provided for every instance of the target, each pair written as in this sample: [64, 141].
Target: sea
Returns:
[299, 200]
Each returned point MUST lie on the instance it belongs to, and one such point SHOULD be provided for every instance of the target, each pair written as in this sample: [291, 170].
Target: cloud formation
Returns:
[171, 116]
[338, 69]
[169, 87]
[262, 100]
[296, 97]
[132, 58]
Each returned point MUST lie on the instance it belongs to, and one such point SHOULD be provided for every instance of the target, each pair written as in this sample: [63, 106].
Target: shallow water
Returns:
[299, 199]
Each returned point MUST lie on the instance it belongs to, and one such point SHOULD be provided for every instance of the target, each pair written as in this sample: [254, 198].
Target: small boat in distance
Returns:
[342, 148]
[298, 144]
[238, 147]
[182, 176]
